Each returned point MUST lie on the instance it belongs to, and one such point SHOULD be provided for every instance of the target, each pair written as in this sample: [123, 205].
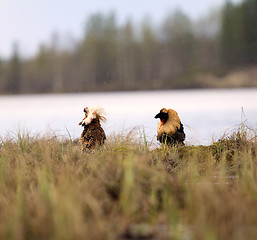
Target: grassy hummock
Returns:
[50, 189]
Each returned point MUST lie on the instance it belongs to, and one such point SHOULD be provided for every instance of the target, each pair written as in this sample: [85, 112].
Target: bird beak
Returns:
[157, 115]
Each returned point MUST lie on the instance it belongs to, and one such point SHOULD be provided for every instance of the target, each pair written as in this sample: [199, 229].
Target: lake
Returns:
[206, 114]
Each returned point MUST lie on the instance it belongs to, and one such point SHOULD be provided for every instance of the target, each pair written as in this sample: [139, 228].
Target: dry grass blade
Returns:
[50, 189]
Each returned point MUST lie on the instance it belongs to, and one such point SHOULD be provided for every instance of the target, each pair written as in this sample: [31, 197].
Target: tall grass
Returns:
[50, 189]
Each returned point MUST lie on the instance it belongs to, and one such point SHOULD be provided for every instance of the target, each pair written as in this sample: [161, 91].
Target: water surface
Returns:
[206, 114]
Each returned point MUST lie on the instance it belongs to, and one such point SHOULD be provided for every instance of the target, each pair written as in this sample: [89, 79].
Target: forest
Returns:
[176, 53]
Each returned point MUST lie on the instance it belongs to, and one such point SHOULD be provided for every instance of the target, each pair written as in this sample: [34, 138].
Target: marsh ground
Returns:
[49, 189]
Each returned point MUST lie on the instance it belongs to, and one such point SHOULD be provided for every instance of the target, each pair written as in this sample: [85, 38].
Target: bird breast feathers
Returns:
[171, 125]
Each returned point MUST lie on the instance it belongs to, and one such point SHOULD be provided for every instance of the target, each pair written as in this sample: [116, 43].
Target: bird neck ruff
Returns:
[171, 125]
[94, 112]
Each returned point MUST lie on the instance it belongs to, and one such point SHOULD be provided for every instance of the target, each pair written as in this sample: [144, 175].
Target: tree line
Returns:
[129, 56]
[239, 34]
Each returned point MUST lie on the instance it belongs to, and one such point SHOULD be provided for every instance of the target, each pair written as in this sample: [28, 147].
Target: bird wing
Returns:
[92, 136]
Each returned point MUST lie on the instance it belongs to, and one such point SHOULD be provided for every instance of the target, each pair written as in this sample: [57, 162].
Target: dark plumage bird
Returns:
[93, 135]
[170, 129]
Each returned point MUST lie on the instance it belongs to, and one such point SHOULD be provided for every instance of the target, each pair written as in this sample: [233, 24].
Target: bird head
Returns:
[86, 111]
[163, 115]
[92, 113]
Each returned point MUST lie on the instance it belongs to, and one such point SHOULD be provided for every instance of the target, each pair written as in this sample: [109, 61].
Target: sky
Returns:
[32, 22]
